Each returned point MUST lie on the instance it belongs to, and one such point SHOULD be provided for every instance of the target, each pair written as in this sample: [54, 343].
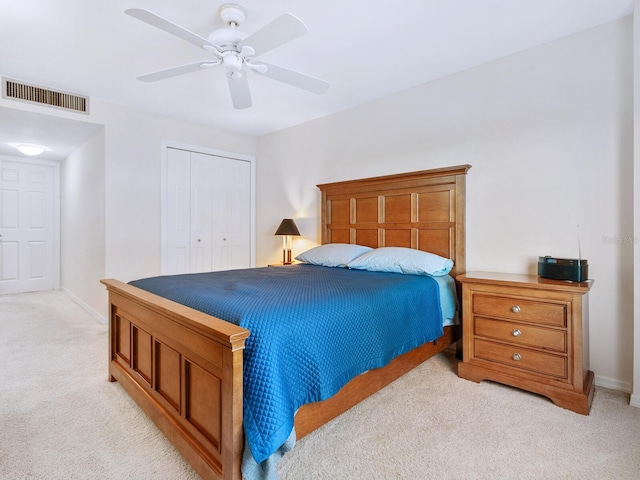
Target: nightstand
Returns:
[530, 333]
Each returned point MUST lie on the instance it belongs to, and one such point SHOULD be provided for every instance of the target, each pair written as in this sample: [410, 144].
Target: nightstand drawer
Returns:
[518, 309]
[518, 357]
[521, 334]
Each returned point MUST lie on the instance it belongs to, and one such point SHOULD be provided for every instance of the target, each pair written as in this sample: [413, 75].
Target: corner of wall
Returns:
[635, 396]
[101, 318]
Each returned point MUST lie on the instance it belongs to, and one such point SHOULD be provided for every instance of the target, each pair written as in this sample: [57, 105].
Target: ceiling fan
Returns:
[237, 51]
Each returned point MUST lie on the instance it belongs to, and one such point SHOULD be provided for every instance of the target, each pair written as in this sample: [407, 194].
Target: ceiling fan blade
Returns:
[239, 88]
[175, 71]
[300, 80]
[282, 30]
[169, 27]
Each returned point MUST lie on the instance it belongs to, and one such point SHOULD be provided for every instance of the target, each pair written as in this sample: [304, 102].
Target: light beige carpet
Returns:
[61, 419]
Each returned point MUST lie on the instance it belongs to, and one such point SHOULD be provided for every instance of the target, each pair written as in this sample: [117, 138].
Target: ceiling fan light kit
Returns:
[237, 51]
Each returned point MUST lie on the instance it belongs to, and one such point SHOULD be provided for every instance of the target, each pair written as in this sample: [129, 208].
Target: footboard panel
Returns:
[184, 369]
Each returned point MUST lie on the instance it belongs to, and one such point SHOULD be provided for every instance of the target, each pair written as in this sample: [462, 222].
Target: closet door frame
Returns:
[164, 197]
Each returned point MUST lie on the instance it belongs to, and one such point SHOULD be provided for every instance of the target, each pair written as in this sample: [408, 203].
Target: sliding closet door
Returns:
[207, 213]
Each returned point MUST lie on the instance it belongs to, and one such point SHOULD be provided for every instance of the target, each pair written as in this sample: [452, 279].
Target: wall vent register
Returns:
[16, 90]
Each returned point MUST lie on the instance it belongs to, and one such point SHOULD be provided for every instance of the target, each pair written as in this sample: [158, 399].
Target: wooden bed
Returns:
[184, 368]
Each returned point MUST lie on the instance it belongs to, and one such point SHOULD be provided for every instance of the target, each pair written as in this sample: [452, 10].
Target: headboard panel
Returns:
[424, 210]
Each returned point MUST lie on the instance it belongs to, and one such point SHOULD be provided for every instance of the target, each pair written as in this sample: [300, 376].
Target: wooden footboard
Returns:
[184, 369]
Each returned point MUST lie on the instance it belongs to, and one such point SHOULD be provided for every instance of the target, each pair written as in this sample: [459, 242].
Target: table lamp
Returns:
[287, 229]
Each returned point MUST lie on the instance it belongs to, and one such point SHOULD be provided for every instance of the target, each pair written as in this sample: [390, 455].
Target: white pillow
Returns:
[333, 254]
[402, 260]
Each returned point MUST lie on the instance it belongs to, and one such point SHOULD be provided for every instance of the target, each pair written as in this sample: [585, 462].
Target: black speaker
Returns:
[568, 269]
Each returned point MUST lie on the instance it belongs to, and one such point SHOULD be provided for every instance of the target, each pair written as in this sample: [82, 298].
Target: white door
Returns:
[26, 227]
[207, 213]
[231, 242]
[201, 212]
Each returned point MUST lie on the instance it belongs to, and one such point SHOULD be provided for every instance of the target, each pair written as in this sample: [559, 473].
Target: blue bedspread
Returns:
[312, 330]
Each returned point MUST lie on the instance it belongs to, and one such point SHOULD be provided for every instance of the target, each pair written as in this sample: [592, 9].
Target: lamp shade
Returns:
[287, 227]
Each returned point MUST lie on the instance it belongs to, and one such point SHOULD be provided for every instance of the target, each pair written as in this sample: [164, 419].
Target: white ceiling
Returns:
[366, 50]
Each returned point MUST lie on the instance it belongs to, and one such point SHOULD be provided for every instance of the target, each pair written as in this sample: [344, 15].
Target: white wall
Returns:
[549, 135]
[133, 181]
[82, 226]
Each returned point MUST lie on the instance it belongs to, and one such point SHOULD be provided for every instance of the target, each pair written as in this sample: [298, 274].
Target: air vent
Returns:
[13, 89]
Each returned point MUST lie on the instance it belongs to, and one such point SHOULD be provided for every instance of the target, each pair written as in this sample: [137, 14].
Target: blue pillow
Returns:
[333, 254]
[402, 260]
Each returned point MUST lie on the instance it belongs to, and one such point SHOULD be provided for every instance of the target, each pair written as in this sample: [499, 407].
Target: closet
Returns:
[207, 217]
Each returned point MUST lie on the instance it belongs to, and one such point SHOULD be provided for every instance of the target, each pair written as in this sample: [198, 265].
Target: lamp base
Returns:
[286, 257]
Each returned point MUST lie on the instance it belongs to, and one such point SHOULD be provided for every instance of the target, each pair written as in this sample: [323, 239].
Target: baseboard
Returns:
[86, 307]
[612, 383]
[635, 400]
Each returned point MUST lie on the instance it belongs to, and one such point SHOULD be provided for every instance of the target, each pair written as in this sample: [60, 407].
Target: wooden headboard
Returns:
[424, 210]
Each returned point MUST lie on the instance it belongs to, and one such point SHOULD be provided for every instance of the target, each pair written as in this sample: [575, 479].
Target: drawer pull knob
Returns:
[516, 357]
[516, 332]
[515, 309]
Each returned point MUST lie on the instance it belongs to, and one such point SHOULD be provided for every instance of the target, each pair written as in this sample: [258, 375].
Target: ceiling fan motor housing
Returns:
[228, 37]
